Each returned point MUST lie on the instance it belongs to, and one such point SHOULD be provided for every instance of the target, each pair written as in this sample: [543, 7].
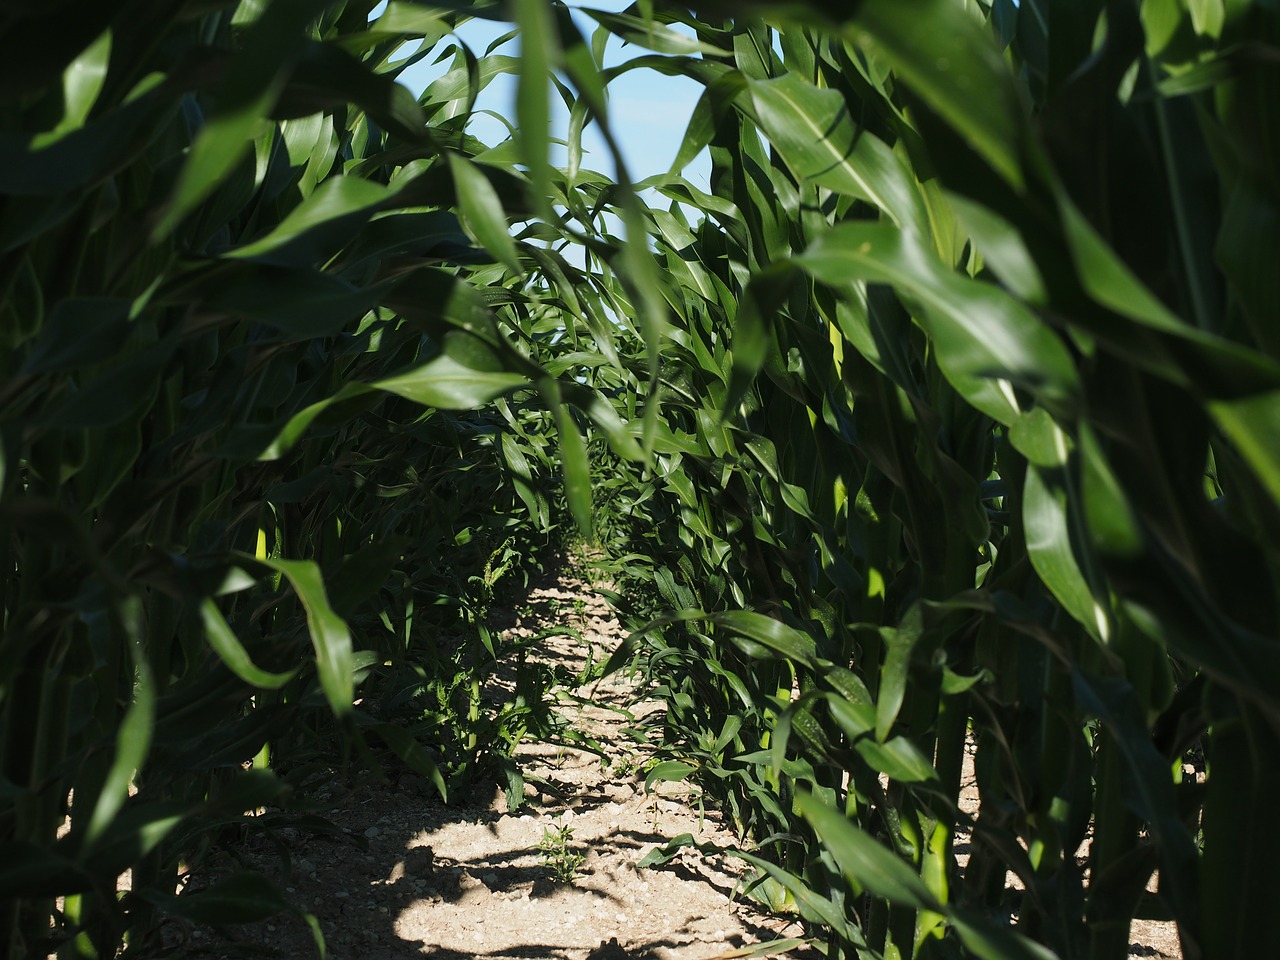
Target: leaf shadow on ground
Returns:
[406, 876]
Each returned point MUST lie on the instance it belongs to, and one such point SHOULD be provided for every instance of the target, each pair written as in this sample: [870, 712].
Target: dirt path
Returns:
[415, 878]
[412, 878]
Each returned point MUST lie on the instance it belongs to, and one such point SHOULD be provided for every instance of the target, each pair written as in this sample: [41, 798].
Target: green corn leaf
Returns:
[482, 211]
[406, 746]
[769, 633]
[854, 719]
[1113, 525]
[987, 939]
[297, 425]
[1002, 249]
[863, 860]
[133, 736]
[1047, 514]
[82, 82]
[1109, 280]
[1253, 424]
[898, 758]
[664, 854]
[815, 134]
[576, 467]
[330, 636]
[981, 332]
[669, 771]
[400, 18]
[811, 904]
[240, 898]
[649, 34]
[956, 68]
[894, 673]
[327, 77]
[44, 43]
[318, 226]
[845, 682]
[449, 385]
[1167, 346]
[753, 338]
[533, 106]
[254, 80]
[229, 649]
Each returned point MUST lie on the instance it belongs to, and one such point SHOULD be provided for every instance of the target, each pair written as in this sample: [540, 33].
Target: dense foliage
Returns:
[950, 414]
[991, 451]
[238, 307]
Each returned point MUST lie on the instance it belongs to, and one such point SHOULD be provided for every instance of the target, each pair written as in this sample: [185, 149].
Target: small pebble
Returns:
[372, 832]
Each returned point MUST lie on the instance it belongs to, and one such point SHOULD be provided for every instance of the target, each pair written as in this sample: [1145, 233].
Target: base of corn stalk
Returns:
[1147, 938]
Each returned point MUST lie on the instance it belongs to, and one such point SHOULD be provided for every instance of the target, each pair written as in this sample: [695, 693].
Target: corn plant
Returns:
[968, 432]
[947, 414]
[251, 286]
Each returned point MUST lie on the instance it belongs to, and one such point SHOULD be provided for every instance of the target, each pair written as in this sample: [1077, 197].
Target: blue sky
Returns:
[649, 111]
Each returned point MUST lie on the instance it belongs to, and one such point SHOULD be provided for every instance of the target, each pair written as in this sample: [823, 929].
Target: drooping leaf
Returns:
[449, 385]
[482, 211]
[815, 134]
[956, 67]
[318, 226]
[229, 649]
[241, 898]
[330, 636]
[769, 633]
[982, 333]
[865, 861]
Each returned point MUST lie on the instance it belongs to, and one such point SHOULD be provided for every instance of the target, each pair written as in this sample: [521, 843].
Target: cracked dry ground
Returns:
[413, 878]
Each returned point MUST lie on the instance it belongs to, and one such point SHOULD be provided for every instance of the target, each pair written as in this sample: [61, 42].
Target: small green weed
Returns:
[558, 854]
[623, 766]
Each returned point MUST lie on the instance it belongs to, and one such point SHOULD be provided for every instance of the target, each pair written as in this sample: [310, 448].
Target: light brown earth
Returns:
[411, 878]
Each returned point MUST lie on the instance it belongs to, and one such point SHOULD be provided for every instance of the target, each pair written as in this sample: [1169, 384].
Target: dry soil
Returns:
[410, 878]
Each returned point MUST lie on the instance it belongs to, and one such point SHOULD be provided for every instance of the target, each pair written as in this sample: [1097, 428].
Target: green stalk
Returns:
[1239, 884]
[1191, 265]
[1115, 833]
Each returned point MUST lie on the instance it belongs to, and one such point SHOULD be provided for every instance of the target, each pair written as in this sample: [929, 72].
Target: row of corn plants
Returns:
[256, 299]
[968, 435]
[947, 414]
